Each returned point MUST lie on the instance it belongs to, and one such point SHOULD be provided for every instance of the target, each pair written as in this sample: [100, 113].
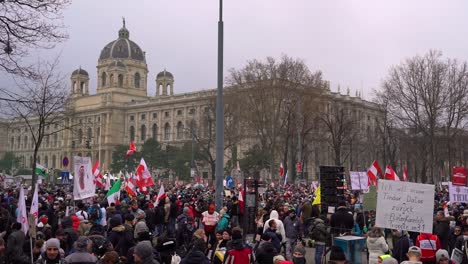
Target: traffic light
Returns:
[87, 144]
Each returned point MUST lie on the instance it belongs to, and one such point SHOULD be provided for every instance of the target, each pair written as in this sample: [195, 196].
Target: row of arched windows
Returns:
[180, 132]
[24, 143]
[120, 80]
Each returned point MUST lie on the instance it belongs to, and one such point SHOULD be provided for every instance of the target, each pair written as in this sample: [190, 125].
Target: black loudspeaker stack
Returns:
[331, 186]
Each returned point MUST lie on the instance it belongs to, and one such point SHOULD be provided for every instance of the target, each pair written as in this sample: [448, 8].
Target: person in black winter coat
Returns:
[143, 253]
[401, 246]
[197, 253]
[275, 237]
[342, 220]
[116, 235]
[266, 251]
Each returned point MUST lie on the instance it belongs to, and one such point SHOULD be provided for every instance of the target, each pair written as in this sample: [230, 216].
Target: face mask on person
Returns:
[300, 260]
[465, 237]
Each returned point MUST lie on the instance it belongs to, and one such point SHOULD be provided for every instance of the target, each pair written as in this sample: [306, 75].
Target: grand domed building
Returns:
[122, 111]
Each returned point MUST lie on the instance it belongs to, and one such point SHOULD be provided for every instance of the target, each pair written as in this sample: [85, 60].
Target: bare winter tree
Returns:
[340, 126]
[26, 25]
[427, 95]
[269, 92]
[40, 104]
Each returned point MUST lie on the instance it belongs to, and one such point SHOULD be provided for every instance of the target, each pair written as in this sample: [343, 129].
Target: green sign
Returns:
[369, 201]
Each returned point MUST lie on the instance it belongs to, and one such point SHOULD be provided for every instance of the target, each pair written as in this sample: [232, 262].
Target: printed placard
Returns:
[405, 206]
[359, 180]
[458, 194]
[84, 186]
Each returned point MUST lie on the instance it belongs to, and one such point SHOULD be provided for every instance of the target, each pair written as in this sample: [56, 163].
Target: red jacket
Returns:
[429, 244]
[244, 256]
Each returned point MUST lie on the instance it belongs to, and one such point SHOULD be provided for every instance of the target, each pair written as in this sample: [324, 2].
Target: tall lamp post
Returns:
[219, 169]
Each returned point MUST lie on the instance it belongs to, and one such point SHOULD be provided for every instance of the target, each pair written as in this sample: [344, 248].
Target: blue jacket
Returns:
[223, 223]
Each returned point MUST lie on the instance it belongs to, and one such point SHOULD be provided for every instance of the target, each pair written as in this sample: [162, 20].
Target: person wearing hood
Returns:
[70, 234]
[116, 235]
[292, 229]
[81, 255]
[140, 225]
[143, 253]
[299, 253]
[51, 254]
[274, 216]
[342, 221]
[265, 251]
[224, 220]
[196, 254]
[238, 252]
[376, 244]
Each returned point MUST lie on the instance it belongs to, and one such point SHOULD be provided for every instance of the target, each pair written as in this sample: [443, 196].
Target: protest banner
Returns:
[369, 202]
[359, 180]
[458, 194]
[83, 184]
[405, 206]
[459, 176]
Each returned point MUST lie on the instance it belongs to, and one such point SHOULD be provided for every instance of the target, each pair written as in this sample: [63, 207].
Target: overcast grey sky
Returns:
[353, 42]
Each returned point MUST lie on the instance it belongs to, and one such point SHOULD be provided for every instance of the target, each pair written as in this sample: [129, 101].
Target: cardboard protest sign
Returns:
[369, 202]
[458, 194]
[359, 180]
[405, 206]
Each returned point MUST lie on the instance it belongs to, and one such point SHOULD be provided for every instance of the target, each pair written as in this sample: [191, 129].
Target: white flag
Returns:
[22, 217]
[286, 178]
[35, 205]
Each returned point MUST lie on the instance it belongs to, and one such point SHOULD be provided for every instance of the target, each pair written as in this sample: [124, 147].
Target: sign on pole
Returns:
[459, 176]
[458, 194]
[405, 206]
[83, 182]
[359, 180]
[369, 201]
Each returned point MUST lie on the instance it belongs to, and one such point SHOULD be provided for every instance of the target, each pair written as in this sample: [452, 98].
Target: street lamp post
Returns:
[219, 168]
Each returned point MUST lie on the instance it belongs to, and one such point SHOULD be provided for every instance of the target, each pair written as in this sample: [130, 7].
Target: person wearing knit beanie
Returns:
[442, 255]
[390, 260]
[51, 254]
[299, 253]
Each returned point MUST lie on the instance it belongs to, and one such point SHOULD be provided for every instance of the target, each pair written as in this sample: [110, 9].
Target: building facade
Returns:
[121, 111]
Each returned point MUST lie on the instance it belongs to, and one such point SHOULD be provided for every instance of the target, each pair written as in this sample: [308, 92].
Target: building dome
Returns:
[80, 71]
[122, 48]
[165, 74]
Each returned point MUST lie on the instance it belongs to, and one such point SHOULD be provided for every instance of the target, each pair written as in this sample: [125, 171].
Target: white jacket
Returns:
[279, 224]
[377, 246]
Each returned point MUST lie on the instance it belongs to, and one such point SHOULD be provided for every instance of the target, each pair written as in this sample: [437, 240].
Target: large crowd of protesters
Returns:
[185, 227]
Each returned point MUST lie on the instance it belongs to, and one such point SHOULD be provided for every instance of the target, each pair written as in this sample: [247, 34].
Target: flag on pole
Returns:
[241, 201]
[131, 150]
[286, 178]
[374, 172]
[281, 170]
[144, 175]
[108, 183]
[34, 211]
[22, 216]
[405, 174]
[317, 199]
[41, 170]
[161, 196]
[97, 175]
[238, 166]
[113, 194]
[390, 174]
[129, 186]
